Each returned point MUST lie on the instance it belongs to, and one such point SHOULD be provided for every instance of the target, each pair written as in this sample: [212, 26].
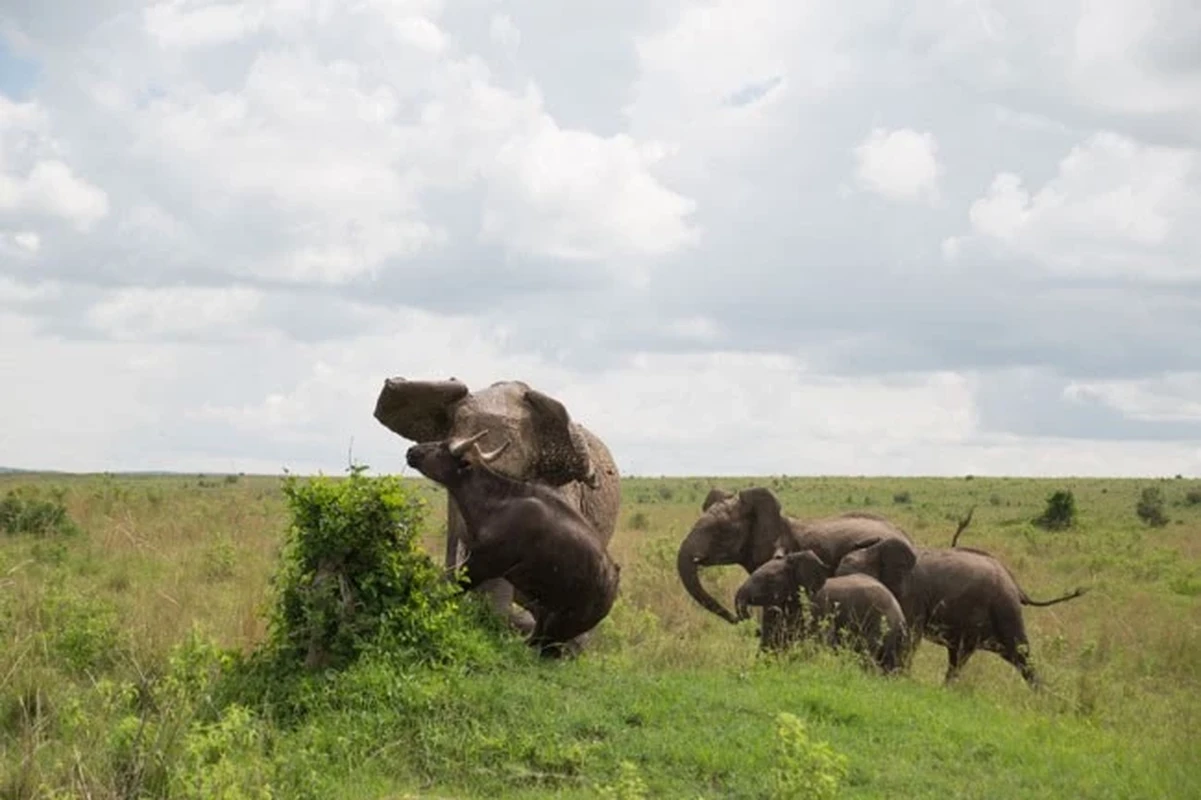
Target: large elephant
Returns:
[961, 598]
[856, 611]
[748, 528]
[544, 445]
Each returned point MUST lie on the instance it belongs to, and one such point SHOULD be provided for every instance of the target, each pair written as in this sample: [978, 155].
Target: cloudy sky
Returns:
[764, 236]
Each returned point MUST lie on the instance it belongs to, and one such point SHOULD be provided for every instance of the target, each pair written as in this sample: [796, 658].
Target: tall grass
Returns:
[116, 637]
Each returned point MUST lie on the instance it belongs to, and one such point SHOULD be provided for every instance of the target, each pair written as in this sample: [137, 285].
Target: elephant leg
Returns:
[772, 629]
[958, 654]
[500, 596]
[1018, 653]
[544, 639]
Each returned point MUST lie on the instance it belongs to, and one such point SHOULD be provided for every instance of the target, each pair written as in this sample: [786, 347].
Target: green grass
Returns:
[103, 692]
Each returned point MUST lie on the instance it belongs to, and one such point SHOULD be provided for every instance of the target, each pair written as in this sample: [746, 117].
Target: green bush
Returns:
[24, 510]
[1193, 497]
[804, 768]
[1150, 507]
[1060, 512]
[353, 577]
[902, 498]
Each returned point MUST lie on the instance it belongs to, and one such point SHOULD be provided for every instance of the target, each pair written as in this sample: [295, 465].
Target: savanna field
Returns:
[132, 609]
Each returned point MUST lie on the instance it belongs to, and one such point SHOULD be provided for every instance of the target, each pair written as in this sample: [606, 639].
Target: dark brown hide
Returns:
[747, 528]
[962, 599]
[528, 534]
[855, 611]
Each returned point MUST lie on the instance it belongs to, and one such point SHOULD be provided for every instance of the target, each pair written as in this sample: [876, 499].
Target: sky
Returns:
[936, 237]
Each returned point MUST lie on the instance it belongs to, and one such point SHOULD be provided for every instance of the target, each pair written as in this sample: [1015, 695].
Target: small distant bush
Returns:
[1193, 497]
[902, 498]
[1060, 512]
[219, 560]
[638, 521]
[665, 492]
[994, 499]
[1150, 507]
[24, 510]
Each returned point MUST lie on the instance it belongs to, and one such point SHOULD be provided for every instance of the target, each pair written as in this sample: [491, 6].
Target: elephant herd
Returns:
[533, 500]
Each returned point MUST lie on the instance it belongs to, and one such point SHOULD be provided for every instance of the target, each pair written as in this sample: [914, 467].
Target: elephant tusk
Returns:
[491, 455]
[459, 446]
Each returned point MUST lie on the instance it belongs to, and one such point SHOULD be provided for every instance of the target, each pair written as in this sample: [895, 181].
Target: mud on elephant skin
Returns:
[528, 533]
[853, 611]
[961, 598]
[748, 528]
[544, 445]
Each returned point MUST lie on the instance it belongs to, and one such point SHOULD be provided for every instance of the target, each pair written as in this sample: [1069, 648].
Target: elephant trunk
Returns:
[742, 603]
[688, 565]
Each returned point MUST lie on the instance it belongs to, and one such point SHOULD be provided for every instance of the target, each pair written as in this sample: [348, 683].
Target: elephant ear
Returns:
[892, 560]
[809, 571]
[766, 520]
[715, 496]
[562, 452]
[418, 410]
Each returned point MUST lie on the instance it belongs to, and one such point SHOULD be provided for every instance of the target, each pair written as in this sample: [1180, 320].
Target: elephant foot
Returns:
[521, 620]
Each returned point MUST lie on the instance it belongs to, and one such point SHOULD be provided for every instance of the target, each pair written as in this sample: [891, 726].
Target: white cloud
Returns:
[138, 313]
[900, 164]
[1175, 398]
[14, 292]
[224, 222]
[1110, 208]
[28, 241]
[504, 32]
[174, 24]
[33, 179]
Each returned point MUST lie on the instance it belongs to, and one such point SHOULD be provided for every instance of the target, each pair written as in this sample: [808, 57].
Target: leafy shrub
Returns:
[902, 498]
[24, 510]
[81, 633]
[1150, 507]
[1193, 497]
[353, 577]
[1060, 512]
[219, 560]
[804, 768]
[639, 522]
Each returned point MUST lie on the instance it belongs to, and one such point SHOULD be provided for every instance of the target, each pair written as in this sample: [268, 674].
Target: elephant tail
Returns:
[1077, 592]
[963, 523]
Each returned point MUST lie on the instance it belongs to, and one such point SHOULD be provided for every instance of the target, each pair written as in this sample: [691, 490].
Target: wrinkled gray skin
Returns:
[528, 533]
[858, 611]
[748, 528]
[545, 445]
[960, 598]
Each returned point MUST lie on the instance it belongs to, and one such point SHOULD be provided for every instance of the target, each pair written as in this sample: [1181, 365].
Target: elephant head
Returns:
[888, 560]
[776, 584]
[540, 442]
[737, 528]
[544, 444]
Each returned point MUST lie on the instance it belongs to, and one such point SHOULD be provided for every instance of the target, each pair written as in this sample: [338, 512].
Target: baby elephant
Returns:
[528, 535]
[861, 614]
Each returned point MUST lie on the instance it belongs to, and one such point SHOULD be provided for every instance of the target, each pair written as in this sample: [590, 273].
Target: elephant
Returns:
[858, 611]
[961, 598]
[544, 445]
[528, 533]
[748, 528]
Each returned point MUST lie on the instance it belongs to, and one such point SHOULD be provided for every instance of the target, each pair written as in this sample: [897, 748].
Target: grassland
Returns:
[107, 637]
